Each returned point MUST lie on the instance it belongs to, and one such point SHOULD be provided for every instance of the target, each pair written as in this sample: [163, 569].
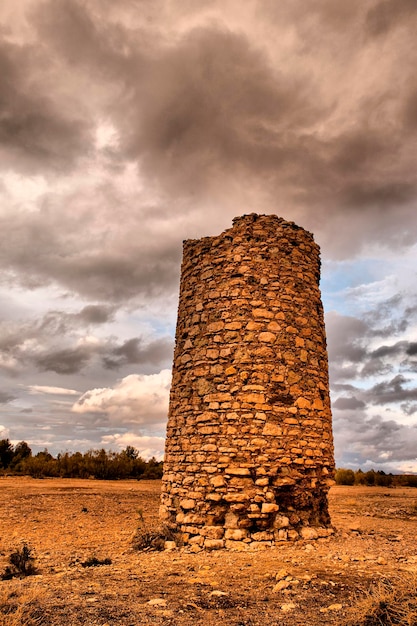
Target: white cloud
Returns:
[135, 399]
[58, 391]
[147, 446]
[4, 432]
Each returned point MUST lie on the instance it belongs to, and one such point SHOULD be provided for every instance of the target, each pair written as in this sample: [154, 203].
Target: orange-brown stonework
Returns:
[249, 449]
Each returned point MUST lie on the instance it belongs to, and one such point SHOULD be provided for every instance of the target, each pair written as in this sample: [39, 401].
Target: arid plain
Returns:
[69, 523]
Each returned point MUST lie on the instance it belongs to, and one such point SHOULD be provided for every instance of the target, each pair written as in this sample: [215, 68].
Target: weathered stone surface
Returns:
[272, 429]
[213, 544]
[237, 534]
[238, 471]
[249, 452]
[269, 507]
[308, 533]
[262, 536]
[267, 337]
[187, 503]
[217, 481]
[212, 532]
[281, 521]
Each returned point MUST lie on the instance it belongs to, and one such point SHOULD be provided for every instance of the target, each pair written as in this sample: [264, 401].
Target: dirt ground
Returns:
[69, 522]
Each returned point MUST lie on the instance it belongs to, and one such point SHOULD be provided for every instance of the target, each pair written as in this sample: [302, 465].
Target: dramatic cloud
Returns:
[132, 352]
[6, 397]
[141, 400]
[348, 404]
[347, 334]
[41, 343]
[390, 14]
[393, 391]
[4, 432]
[375, 442]
[125, 129]
[148, 446]
[56, 391]
[67, 361]
[33, 128]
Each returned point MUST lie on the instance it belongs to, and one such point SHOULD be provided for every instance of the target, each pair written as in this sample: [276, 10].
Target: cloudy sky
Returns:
[128, 126]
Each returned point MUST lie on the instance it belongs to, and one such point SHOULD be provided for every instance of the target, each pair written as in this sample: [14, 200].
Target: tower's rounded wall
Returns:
[249, 448]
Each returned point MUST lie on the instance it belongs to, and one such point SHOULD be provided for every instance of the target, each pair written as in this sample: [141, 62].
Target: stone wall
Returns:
[249, 449]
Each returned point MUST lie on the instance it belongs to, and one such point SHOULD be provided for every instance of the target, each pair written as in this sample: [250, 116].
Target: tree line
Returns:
[371, 478]
[107, 465]
[102, 464]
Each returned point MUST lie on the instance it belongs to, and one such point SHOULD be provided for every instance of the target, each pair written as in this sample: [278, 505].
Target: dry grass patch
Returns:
[147, 537]
[390, 602]
[19, 607]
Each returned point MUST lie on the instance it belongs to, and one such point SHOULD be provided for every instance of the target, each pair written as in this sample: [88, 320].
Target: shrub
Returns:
[345, 477]
[22, 563]
[93, 561]
[146, 538]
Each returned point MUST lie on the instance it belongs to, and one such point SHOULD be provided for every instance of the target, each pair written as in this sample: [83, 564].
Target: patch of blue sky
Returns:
[141, 323]
[340, 277]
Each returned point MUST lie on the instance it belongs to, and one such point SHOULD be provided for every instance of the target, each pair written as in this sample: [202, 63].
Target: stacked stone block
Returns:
[249, 448]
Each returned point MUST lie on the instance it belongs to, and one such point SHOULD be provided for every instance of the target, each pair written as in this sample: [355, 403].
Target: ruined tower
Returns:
[249, 449]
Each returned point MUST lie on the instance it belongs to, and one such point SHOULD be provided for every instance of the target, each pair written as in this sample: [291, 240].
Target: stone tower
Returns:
[249, 449]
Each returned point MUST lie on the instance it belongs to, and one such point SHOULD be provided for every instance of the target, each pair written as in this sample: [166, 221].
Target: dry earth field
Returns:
[67, 522]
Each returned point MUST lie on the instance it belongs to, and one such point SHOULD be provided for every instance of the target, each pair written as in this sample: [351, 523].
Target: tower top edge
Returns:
[253, 221]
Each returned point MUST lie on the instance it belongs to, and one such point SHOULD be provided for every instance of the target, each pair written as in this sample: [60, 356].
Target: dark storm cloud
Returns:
[389, 14]
[345, 387]
[204, 111]
[341, 371]
[392, 391]
[382, 359]
[350, 340]
[79, 249]
[33, 127]
[96, 314]
[134, 352]
[67, 361]
[373, 441]
[119, 275]
[209, 105]
[378, 194]
[73, 33]
[375, 367]
[409, 408]
[212, 95]
[36, 343]
[346, 404]
[410, 111]
[346, 335]
[412, 349]
[214, 100]
[382, 320]
[57, 322]
[22, 340]
[383, 351]
[6, 397]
